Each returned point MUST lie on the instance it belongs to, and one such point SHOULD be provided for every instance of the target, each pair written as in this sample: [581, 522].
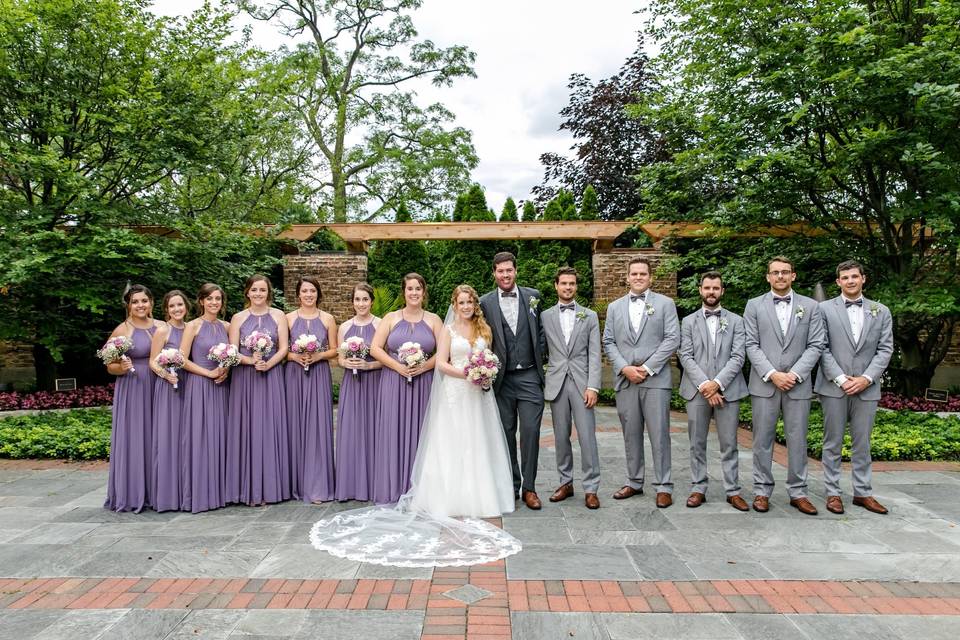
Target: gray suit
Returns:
[647, 403]
[519, 391]
[721, 359]
[797, 351]
[869, 356]
[572, 368]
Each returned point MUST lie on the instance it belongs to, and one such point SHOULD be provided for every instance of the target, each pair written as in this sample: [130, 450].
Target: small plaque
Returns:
[70, 384]
[937, 395]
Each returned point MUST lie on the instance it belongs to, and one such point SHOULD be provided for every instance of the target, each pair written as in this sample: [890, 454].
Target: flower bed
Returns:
[896, 402]
[94, 396]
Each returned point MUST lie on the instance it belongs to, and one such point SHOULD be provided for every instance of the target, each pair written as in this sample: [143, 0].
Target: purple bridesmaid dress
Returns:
[258, 448]
[204, 430]
[310, 419]
[400, 415]
[356, 420]
[130, 482]
[167, 408]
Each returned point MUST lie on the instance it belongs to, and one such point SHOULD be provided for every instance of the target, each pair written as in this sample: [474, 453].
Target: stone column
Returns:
[337, 272]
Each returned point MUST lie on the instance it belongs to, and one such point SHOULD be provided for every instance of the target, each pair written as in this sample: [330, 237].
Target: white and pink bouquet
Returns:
[482, 369]
[259, 343]
[306, 343]
[354, 347]
[115, 349]
[224, 354]
[171, 360]
[411, 355]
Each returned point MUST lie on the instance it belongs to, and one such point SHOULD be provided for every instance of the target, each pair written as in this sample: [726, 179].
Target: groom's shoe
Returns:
[531, 500]
[627, 492]
[563, 492]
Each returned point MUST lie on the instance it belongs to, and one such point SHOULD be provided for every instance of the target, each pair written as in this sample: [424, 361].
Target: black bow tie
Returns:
[707, 313]
[850, 303]
[778, 299]
[641, 297]
[508, 294]
[568, 307]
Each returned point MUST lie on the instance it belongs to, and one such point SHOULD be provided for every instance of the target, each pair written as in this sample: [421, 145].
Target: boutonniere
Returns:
[874, 309]
[799, 313]
[581, 315]
[650, 309]
[534, 303]
[722, 327]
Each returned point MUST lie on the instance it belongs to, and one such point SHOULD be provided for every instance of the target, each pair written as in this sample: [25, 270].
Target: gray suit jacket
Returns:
[704, 360]
[768, 349]
[658, 340]
[490, 305]
[580, 357]
[869, 356]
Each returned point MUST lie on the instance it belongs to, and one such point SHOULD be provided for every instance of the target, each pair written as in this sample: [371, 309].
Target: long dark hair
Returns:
[138, 288]
[205, 292]
[166, 301]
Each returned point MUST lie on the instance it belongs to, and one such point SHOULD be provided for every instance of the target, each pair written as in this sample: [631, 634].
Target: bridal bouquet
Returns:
[224, 354]
[411, 355]
[171, 360]
[354, 347]
[115, 349]
[259, 343]
[305, 343]
[482, 369]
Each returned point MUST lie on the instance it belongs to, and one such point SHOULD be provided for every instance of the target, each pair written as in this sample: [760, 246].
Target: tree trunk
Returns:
[46, 367]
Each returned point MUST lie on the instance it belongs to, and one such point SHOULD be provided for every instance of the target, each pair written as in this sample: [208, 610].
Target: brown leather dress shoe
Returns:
[834, 504]
[627, 492]
[803, 505]
[761, 504]
[696, 499]
[664, 500]
[870, 504]
[563, 492]
[531, 500]
[591, 501]
[738, 503]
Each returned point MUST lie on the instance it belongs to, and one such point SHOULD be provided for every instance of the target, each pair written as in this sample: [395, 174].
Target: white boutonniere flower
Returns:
[722, 327]
[581, 315]
[650, 309]
[534, 303]
[874, 309]
[799, 313]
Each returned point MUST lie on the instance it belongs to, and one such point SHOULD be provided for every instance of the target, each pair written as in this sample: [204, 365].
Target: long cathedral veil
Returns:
[405, 534]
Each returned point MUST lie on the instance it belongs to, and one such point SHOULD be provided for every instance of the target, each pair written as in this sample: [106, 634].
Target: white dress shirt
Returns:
[855, 316]
[638, 310]
[713, 323]
[568, 317]
[510, 307]
[784, 311]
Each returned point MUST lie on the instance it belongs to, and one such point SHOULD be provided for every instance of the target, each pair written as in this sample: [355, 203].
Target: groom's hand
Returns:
[589, 398]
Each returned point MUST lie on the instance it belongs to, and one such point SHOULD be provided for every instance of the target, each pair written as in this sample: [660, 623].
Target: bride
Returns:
[462, 468]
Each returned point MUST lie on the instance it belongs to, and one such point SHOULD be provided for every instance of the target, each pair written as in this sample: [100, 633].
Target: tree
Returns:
[589, 206]
[348, 77]
[609, 146]
[390, 260]
[529, 211]
[509, 213]
[838, 114]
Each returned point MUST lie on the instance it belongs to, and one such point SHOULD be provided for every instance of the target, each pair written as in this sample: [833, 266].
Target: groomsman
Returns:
[513, 315]
[712, 352]
[784, 336]
[641, 334]
[859, 345]
[572, 385]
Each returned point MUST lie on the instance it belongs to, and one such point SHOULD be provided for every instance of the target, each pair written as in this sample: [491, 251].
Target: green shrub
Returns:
[79, 434]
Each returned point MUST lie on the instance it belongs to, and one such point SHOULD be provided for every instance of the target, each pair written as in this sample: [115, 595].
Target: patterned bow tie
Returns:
[707, 313]
[850, 303]
[508, 294]
[641, 297]
[568, 307]
[778, 299]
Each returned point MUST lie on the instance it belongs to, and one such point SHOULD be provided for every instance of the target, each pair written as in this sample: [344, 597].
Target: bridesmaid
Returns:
[167, 405]
[203, 433]
[402, 402]
[310, 398]
[130, 483]
[258, 447]
[357, 408]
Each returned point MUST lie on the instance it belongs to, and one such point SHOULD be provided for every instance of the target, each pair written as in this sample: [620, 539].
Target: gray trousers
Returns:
[639, 407]
[568, 408]
[796, 416]
[699, 413]
[520, 399]
[837, 412]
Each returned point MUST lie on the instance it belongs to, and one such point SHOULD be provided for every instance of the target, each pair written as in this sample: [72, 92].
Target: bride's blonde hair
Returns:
[478, 323]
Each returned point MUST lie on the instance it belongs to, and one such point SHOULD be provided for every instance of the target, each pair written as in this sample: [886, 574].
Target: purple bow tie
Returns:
[707, 313]
[508, 294]
[778, 299]
[568, 307]
[850, 303]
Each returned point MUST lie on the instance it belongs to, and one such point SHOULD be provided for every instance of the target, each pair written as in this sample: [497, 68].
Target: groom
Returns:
[518, 340]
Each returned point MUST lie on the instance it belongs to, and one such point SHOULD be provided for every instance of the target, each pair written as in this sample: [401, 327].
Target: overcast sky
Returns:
[526, 51]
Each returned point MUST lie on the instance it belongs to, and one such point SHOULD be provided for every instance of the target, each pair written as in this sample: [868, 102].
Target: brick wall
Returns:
[337, 273]
[610, 274]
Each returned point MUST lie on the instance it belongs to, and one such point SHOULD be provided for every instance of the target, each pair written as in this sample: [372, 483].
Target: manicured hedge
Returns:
[80, 434]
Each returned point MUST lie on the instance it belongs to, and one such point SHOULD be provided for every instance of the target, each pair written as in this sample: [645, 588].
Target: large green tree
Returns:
[839, 114]
[352, 69]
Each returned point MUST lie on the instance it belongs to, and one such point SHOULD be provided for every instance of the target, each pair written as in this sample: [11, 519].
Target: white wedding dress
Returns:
[462, 468]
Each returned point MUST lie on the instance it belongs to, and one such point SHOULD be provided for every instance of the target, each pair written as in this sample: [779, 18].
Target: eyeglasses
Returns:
[783, 272]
